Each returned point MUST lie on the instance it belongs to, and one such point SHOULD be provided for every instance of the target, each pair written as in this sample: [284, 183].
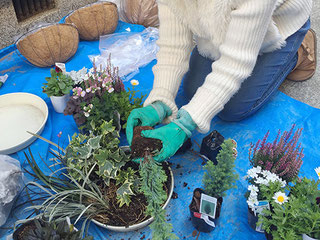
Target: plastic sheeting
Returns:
[280, 113]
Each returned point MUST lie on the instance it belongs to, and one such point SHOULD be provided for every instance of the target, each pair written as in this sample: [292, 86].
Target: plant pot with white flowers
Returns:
[296, 216]
[205, 207]
[58, 88]
[273, 163]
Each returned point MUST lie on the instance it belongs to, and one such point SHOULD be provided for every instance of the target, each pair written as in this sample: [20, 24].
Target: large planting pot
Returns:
[95, 20]
[138, 225]
[47, 45]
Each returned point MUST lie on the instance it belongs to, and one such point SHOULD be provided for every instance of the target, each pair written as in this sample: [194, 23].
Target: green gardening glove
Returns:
[172, 135]
[150, 115]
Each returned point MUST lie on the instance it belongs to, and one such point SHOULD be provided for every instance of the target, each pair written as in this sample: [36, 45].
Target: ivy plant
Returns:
[58, 84]
[103, 150]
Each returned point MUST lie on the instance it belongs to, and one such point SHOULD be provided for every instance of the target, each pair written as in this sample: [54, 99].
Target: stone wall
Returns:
[10, 27]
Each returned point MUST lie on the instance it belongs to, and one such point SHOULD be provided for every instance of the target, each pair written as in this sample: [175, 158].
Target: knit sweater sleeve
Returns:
[245, 34]
[175, 42]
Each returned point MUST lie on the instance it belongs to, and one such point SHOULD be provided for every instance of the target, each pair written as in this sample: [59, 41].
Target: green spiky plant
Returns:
[221, 177]
[153, 178]
[39, 229]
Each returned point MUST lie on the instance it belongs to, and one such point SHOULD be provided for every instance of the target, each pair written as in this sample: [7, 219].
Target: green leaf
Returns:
[94, 142]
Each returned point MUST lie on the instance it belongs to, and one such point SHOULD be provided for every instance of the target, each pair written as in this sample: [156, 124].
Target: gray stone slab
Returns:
[308, 91]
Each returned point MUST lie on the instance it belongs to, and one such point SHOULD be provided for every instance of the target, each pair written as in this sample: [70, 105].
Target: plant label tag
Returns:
[207, 220]
[260, 207]
[259, 210]
[208, 205]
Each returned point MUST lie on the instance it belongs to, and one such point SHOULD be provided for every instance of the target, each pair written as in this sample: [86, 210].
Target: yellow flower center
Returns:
[280, 199]
[134, 84]
[318, 174]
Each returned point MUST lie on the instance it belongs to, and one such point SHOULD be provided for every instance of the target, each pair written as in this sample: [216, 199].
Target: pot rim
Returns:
[138, 225]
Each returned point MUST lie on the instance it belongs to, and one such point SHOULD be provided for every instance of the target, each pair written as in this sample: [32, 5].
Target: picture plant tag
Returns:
[259, 210]
[208, 205]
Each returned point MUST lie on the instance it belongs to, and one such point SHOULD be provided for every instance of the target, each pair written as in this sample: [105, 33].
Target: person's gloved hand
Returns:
[150, 115]
[172, 135]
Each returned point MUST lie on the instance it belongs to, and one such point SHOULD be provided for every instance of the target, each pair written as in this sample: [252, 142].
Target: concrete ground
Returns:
[308, 91]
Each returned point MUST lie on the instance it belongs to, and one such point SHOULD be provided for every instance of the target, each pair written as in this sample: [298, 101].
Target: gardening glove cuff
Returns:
[185, 122]
[162, 109]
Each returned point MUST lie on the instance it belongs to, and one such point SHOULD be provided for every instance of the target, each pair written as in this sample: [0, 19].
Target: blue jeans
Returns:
[270, 71]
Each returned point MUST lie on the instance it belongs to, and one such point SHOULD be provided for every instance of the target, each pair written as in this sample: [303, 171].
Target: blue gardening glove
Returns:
[150, 115]
[172, 135]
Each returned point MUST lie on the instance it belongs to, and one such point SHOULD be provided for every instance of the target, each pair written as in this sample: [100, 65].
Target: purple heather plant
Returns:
[283, 156]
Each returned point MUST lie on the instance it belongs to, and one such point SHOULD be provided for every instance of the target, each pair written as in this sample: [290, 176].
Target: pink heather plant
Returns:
[283, 156]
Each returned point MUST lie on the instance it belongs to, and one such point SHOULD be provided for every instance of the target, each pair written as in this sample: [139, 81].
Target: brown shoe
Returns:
[307, 59]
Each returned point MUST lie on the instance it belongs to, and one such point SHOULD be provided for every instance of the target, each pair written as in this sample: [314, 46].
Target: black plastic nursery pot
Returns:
[211, 145]
[196, 219]
[23, 229]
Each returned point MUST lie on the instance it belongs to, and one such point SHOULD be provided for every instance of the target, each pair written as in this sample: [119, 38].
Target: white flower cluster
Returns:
[81, 75]
[87, 110]
[260, 177]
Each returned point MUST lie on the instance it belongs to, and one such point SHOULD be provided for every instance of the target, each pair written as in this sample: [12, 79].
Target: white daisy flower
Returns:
[83, 93]
[134, 82]
[318, 171]
[86, 114]
[88, 90]
[110, 90]
[280, 197]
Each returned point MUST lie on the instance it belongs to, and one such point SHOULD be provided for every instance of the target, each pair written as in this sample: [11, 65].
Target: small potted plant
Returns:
[48, 230]
[100, 96]
[58, 88]
[263, 184]
[280, 160]
[217, 180]
[296, 216]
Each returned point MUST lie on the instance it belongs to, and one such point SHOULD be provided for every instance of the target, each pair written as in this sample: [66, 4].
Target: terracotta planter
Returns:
[196, 219]
[59, 103]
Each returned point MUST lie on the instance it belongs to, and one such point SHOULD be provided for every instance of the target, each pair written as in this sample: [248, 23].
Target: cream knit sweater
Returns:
[231, 32]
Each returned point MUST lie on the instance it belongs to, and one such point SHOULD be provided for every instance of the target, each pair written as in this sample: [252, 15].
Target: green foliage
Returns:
[300, 215]
[129, 182]
[110, 105]
[153, 177]
[221, 177]
[58, 84]
[52, 231]
[103, 150]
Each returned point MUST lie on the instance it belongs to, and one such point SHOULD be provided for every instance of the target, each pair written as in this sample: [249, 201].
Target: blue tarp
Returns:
[280, 113]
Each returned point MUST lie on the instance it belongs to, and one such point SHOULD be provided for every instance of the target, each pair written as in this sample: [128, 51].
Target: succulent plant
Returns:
[42, 230]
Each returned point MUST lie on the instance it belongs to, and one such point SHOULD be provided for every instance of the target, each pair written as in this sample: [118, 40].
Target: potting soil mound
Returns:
[280, 113]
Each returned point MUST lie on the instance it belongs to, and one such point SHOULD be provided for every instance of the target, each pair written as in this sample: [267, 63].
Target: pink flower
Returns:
[59, 134]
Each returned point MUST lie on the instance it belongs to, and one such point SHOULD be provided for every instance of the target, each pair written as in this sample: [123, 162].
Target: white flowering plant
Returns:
[264, 185]
[290, 217]
[100, 96]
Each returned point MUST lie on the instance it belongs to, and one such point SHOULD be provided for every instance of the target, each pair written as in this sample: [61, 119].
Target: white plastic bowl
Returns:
[19, 113]
[139, 225]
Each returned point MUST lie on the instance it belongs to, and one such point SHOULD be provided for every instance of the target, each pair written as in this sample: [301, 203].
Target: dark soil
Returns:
[23, 231]
[135, 212]
[141, 144]
[174, 195]
[185, 184]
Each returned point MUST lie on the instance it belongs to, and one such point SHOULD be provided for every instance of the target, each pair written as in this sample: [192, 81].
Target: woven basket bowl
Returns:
[143, 12]
[45, 46]
[95, 20]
